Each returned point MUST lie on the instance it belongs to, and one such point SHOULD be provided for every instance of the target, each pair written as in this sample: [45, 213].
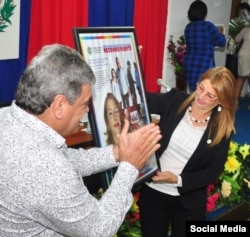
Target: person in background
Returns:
[115, 87]
[201, 39]
[243, 10]
[113, 118]
[243, 38]
[196, 132]
[235, 26]
[42, 191]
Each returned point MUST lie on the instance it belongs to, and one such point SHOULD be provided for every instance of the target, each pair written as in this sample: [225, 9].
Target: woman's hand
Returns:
[165, 177]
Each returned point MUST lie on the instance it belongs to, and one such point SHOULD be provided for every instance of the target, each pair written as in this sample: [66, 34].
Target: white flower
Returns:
[248, 182]
[226, 188]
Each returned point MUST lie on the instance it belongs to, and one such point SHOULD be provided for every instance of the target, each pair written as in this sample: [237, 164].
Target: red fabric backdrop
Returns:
[52, 22]
[150, 24]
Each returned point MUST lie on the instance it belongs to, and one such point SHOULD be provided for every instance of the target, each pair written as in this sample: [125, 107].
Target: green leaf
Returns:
[2, 27]
[7, 11]
[235, 26]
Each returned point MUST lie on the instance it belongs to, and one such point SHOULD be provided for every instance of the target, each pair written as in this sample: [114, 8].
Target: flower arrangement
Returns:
[131, 226]
[176, 51]
[233, 184]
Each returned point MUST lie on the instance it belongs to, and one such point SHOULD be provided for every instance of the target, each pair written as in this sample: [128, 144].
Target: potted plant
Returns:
[176, 52]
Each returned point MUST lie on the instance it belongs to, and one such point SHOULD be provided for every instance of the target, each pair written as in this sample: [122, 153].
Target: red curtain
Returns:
[150, 24]
[55, 20]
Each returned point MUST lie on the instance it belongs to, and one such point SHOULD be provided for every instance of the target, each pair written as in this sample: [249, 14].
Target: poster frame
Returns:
[102, 48]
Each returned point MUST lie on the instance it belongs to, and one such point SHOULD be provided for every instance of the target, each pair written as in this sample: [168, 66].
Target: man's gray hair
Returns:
[56, 70]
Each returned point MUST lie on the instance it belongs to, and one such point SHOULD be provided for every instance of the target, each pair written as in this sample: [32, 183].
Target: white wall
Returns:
[218, 13]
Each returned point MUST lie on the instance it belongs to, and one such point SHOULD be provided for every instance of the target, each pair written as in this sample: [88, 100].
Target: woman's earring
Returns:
[219, 108]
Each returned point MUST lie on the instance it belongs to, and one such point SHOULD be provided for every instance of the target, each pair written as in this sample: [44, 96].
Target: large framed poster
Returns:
[119, 91]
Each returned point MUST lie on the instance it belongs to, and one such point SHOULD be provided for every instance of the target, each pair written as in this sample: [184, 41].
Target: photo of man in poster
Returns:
[123, 82]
